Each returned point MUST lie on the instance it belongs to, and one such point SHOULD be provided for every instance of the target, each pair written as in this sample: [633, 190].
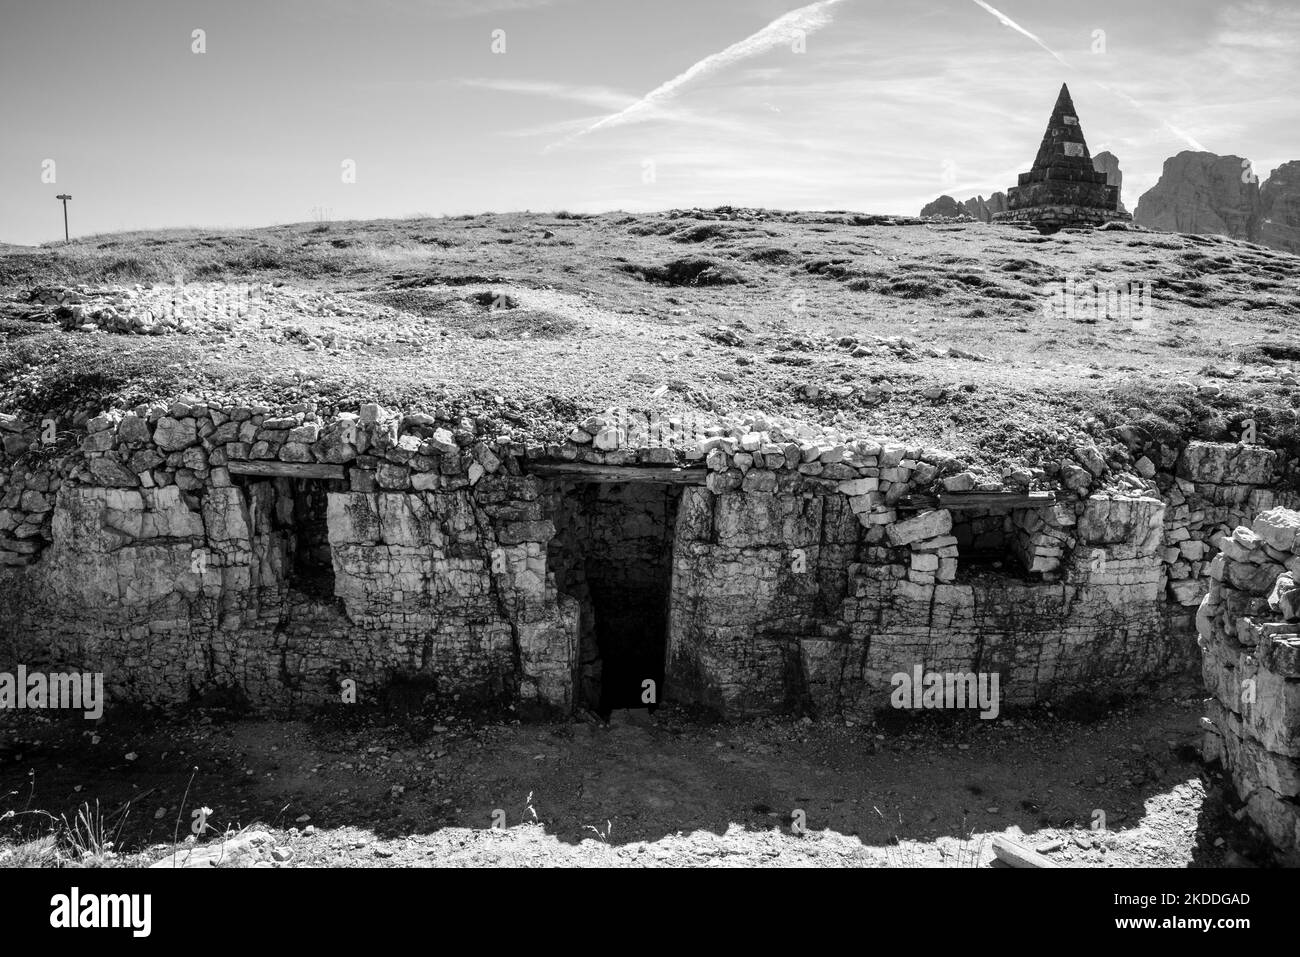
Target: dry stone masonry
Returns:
[194, 548]
[1249, 627]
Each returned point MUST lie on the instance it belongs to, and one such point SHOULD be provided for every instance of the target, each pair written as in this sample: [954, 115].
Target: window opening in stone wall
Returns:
[985, 542]
[290, 513]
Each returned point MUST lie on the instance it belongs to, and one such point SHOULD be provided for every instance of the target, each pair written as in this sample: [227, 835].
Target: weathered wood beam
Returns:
[997, 499]
[1019, 855]
[959, 500]
[302, 470]
[651, 474]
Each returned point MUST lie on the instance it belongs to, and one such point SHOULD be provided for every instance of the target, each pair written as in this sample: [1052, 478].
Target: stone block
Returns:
[923, 525]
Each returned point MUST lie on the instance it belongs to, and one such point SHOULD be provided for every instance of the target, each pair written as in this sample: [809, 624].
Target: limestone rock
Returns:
[1203, 193]
[133, 429]
[924, 525]
[1279, 527]
[1108, 163]
[1285, 597]
[173, 435]
[1279, 199]
[1223, 463]
[244, 850]
[977, 207]
[945, 206]
[111, 472]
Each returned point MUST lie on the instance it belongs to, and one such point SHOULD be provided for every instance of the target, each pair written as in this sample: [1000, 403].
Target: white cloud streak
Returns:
[597, 96]
[779, 32]
[1008, 22]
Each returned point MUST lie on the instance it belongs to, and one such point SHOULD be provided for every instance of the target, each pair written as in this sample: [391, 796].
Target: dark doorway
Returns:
[613, 552]
[311, 564]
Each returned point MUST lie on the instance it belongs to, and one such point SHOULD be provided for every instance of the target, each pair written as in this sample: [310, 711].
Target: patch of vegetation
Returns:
[915, 288]
[702, 233]
[693, 271]
[494, 300]
[772, 255]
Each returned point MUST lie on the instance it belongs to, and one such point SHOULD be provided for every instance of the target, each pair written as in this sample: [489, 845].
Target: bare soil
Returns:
[348, 789]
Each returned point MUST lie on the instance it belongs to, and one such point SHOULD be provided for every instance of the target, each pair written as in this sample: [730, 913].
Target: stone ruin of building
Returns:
[1063, 188]
[187, 549]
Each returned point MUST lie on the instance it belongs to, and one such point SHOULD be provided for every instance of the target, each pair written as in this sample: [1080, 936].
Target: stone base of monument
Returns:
[1050, 219]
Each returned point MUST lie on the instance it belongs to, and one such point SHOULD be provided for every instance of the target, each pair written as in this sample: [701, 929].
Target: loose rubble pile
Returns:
[1249, 628]
[266, 311]
[247, 849]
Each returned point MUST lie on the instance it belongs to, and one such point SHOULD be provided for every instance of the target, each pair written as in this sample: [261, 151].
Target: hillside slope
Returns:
[944, 333]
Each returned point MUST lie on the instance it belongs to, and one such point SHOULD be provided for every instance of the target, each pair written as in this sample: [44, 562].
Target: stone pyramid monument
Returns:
[1063, 188]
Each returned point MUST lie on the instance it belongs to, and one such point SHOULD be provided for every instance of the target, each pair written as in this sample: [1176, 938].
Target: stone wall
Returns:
[176, 578]
[1249, 633]
[806, 566]
[765, 616]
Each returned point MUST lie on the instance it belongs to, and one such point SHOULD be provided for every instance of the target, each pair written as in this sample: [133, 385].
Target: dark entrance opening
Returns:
[985, 541]
[311, 568]
[290, 515]
[613, 552]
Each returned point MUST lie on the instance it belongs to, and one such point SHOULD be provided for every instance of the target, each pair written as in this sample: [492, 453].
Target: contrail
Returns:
[1008, 22]
[777, 33]
[1185, 137]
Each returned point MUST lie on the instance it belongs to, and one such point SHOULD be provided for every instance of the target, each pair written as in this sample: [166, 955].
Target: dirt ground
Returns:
[668, 790]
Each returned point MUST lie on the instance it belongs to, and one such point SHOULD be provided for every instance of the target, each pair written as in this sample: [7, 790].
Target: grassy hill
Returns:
[895, 327]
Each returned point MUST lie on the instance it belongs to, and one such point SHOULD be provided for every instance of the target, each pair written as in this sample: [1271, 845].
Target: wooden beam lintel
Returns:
[302, 470]
[587, 472]
[956, 501]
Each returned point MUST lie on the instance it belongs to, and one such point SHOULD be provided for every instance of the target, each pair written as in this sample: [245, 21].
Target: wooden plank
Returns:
[587, 472]
[1019, 855]
[918, 502]
[302, 470]
[959, 500]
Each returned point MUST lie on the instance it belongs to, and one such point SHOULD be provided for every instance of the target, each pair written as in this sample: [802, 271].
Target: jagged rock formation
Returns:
[1280, 207]
[984, 210]
[1204, 193]
[1249, 627]
[977, 207]
[1108, 163]
[944, 206]
[1063, 188]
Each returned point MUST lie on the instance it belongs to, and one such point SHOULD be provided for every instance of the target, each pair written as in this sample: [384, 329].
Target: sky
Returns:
[285, 111]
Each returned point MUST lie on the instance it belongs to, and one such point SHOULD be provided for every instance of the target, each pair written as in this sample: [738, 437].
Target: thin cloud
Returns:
[1008, 22]
[598, 96]
[1182, 135]
[777, 33]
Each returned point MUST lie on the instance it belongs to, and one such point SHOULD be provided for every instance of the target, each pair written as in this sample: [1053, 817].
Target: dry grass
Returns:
[624, 305]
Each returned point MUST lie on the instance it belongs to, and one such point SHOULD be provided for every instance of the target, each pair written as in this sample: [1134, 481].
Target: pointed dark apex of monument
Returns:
[1063, 143]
